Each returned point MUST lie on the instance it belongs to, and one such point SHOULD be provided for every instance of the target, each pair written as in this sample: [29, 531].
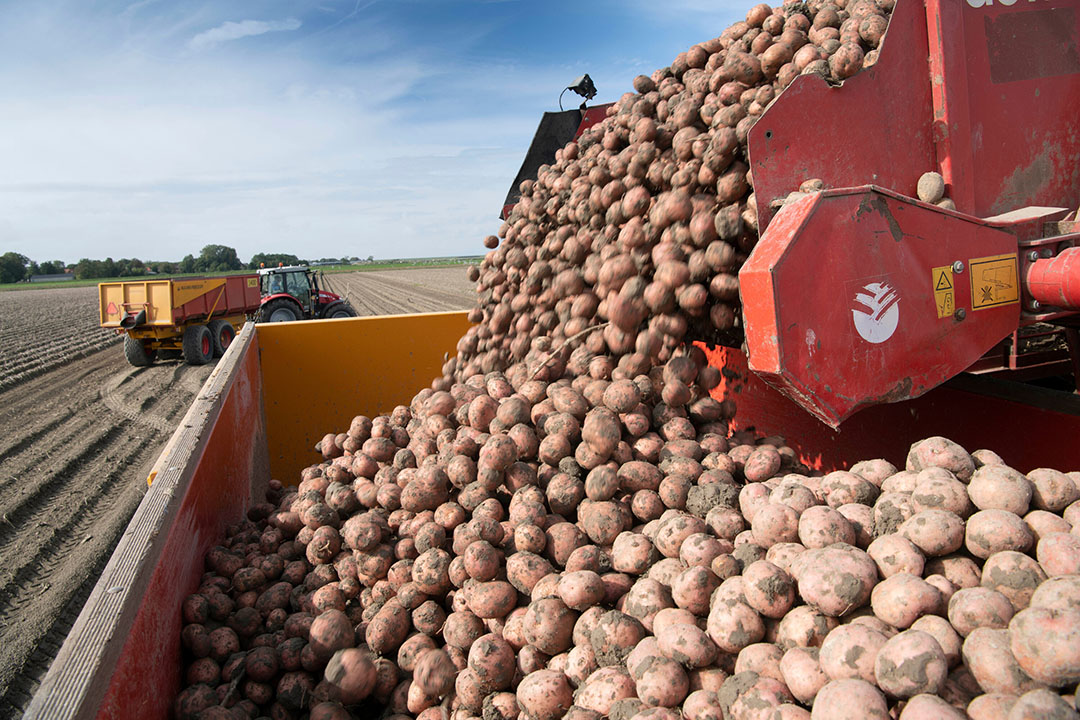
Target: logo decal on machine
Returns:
[877, 312]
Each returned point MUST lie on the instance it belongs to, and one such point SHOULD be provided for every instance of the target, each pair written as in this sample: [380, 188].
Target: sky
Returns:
[390, 128]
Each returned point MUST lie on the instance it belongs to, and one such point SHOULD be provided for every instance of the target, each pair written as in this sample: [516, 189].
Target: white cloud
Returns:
[245, 28]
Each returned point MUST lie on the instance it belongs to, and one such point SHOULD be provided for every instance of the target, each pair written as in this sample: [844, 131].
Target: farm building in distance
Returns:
[55, 277]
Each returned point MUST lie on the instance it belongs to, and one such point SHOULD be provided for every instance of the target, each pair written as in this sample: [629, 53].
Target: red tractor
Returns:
[293, 293]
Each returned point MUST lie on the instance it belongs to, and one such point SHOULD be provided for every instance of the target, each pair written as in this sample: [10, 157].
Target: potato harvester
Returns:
[861, 294]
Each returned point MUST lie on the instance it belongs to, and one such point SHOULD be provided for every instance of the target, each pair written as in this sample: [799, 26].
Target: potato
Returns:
[545, 694]
[802, 673]
[661, 682]
[991, 531]
[1046, 644]
[943, 453]
[1058, 593]
[1052, 490]
[991, 706]
[774, 523]
[939, 489]
[849, 699]
[491, 599]
[687, 644]
[1041, 705]
[804, 626]
[987, 655]
[895, 554]
[971, 608]
[604, 687]
[999, 487]
[761, 658]
[733, 626]
[934, 532]
[930, 707]
[1014, 575]
[820, 526]
[850, 651]
[836, 579]
[330, 632]
[910, 663]
[1059, 554]
[352, 673]
[549, 625]
[901, 599]
[581, 590]
[614, 636]
[944, 633]
[491, 659]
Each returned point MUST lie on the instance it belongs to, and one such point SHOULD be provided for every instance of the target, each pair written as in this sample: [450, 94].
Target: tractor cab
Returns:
[293, 293]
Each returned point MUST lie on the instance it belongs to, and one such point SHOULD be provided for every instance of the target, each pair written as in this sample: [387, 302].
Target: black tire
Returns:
[280, 310]
[198, 345]
[136, 353]
[223, 333]
[339, 310]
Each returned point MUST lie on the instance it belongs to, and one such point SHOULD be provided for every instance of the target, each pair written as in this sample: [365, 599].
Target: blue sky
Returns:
[389, 128]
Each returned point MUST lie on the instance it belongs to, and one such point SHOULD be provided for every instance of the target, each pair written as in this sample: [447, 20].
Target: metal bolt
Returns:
[960, 314]
[1033, 256]
[958, 267]
[1035, 305]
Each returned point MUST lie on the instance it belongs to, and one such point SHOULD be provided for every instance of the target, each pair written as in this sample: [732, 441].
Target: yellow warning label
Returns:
[253, 282]
[944, 296]
[994, 281]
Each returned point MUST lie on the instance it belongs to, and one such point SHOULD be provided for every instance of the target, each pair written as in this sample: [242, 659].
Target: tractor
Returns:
[294, 293]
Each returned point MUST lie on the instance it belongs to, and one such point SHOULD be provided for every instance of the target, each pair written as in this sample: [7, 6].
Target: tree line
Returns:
[15, 267]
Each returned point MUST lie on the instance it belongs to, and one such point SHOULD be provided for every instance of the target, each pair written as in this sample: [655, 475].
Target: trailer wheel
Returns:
[136, 353]
[223, 334]
[280, 310]
[198, 345]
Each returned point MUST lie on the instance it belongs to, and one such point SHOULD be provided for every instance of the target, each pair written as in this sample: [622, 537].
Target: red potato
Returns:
[1059, 554]
[930, 707]
[802, 673]
[944, 633]
[761, 658]
[943, 453]
[1052, 490]
[545, 694]
[991, 706]
[991, 531]
[896, 554]
[987, 655]
[850, 651]
[910, 663]
[1014, 575]
[820, 526]
[1058, 593]
[1046, 644]
[934, 532]
[604, 687]
[972, 608]
[836, 579]
[901, 599]
[849, 699]
[1041, 705]
[998, 487]
[768, 589]
[352, 673]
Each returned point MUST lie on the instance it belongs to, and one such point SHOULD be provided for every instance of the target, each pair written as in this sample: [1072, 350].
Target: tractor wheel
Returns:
[198, 345]
[136, 353]
[223, 333]
[342, 310]
[280, 310]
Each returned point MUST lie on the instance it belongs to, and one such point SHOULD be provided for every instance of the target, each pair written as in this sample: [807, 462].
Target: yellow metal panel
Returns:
[189, 289]
[319, 374]
[135, 293]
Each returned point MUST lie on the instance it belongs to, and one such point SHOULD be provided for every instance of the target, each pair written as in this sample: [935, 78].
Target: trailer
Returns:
[269, 401]
[196, 317]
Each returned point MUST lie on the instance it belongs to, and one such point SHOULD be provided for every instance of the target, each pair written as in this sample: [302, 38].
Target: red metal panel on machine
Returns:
[1007, 101]
[237, 295]
[874, 128]
[848, 303]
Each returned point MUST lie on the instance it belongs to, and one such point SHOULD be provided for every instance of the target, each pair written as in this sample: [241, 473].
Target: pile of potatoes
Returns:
[631, 242]
[563, 525]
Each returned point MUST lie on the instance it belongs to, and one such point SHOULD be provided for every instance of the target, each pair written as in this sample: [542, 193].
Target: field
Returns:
[81, 429]
[43, 329]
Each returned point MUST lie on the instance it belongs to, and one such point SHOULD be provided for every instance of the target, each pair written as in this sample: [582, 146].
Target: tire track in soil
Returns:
[70, 479]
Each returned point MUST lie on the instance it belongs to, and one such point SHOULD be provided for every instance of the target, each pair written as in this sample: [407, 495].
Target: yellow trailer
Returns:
[194, 316]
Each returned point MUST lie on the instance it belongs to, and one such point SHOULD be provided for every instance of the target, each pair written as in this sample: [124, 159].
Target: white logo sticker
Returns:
[878, 322]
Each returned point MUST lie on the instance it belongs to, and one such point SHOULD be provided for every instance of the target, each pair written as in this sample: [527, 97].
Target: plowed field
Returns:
[78, 434]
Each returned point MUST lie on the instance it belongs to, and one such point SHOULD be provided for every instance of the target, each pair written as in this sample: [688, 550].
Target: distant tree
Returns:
[187, 265]
[371, 258]
[32, 269]
[272, 260]
[218, 258]
[52, 267]
[13, 267]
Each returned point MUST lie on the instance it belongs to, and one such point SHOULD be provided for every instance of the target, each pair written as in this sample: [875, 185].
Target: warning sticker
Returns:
[994, 281]
[944, 296]
[253, 282]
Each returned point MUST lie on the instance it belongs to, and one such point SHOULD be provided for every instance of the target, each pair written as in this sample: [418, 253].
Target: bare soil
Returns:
[78, 435]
